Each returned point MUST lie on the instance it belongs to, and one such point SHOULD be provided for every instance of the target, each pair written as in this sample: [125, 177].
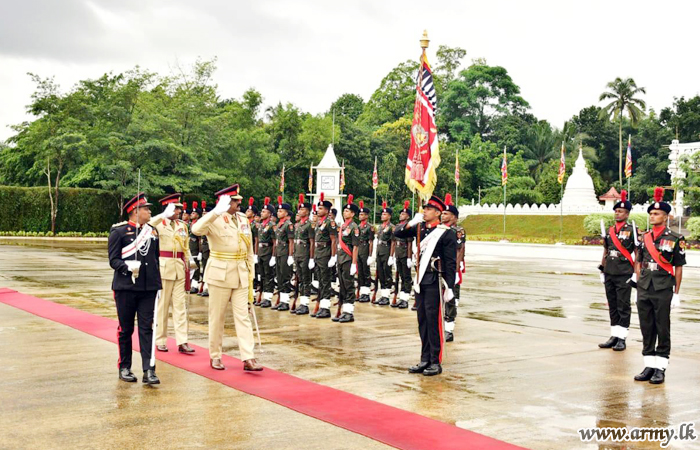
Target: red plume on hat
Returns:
[362, 204]
[405, 204]
[322, 197]
[658, 194]
[623, 196]
[184, 205]
[194, 205]
[204, 204]
[301, 198]
[384, 204]
[313, 207]
[267, 201]
[251, 200]
[279, 199]
[448, 199]
[350, 199]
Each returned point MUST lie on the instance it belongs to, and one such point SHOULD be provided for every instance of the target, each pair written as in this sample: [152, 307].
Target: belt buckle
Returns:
[653, 266]
[614, 253]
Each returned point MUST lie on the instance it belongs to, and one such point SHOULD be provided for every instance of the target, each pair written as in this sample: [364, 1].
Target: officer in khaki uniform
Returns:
[385, 254]
[303, 255]
[229, 275]
[283, 252]
[325, 236]
[175, 273]
[364, 254]
[403, 254]
[266, 242]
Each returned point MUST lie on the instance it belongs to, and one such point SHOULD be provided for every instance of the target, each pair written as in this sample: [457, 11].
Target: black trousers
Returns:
[404, 274]
[618, 292]
[347, 283]
[283, 273]
[430, 323]
[364, 278]
[654, 309]
[131, 305]
[384, 271]
[267, 273]
[303, 274]
[325, 275]
[451, 306]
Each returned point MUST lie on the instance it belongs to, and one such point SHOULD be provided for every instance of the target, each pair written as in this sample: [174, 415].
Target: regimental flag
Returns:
[457, 169]
[375, 176]
[282, 180]
[311, 179]
[424, 153]
[562, 165]
[504, 169]
[342, 177]
[628, 158]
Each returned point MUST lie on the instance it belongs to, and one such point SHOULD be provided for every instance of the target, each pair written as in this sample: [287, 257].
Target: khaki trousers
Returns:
[173, 293]
[218, 301]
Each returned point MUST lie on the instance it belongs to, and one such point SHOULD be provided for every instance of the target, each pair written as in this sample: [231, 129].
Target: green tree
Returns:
[348, 105]
[683, 119]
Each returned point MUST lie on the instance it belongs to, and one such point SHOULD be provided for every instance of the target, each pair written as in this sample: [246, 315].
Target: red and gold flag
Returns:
[562, 165]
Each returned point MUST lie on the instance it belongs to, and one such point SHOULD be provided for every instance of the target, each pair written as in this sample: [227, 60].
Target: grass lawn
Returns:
[530, 229]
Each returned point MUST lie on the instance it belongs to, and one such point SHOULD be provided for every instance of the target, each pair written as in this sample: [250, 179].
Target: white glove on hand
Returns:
[602, 277]
[331, 262]
[169, 210]
[223, 205]
[409, 263]
[461, 267]
[255, 259]
[290, 260]
[273, 261]
[312, 264]
[675, 301]
[418, 218]
[199, 256]
[370, 260]
[449, 295]
[391, 261]
[353, 269]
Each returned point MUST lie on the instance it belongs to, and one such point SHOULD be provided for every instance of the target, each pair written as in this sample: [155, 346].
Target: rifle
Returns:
[376, 288]
[396, 288]
[296, 291]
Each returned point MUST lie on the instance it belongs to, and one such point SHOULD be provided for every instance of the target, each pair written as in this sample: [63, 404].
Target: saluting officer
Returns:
[437, 256]
[175, 273]
[385, 254]
[229, 275]
[403, 253]
[364, 254]
[303, 255]
[616, 270]
[449, 218]
[133, 254]
[325, 236]
[348, 246]
[266, 241]
[659, 271]
[283, 253]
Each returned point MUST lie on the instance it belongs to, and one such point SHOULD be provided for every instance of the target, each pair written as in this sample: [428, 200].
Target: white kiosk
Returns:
[328, 179]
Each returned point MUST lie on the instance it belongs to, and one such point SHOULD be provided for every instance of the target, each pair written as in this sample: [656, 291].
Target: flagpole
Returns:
[374, 187]
[456, 180]
[629, 144]
[504, 210]
[561, 213]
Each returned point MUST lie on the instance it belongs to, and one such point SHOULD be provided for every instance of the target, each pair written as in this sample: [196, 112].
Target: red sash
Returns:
[655, 255]
[343, 245]
[618, 245]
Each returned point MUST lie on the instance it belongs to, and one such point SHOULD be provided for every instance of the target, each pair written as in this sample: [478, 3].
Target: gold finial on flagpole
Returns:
[424, 40]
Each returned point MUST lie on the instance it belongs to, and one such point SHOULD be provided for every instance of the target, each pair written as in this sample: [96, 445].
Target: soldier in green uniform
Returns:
[449, 218]
[266, 240]
[348, 246]
[325, 236]
[403, 253]
[303, 255]
[195, 251]
[659, 272]
[616, 269]
[364, 254]
[385, 254]
[283, 253]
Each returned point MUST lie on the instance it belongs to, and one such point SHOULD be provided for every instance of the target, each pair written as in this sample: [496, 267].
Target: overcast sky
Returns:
[561, 53]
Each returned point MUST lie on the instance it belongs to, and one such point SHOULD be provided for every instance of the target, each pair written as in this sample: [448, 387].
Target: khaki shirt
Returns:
[174, 239]
[231, 243]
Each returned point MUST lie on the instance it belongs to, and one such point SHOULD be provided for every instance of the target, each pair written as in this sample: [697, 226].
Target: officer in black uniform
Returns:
[303, 254]
[403, 252]
[437, 259]
[195, 251]
[659, 271]
[616, 270]
[266, 242]
[347, 251]
[364, 254]
[283, 252]
[385, 255]
[449, 218]
[325, 235]
[134, 255]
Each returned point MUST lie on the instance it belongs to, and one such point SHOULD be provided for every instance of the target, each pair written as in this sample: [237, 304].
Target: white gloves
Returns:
[391, 261]
[353, 269]
[255, 259]
[169, 210]
[418, 218]
[199, 256]
[223, 205]
[370, 260]
[273, 261]
[602, 277]
[290, 260]
[449, 294]
[312, 264]
[675, 301]
[409, 263]
[331, 262]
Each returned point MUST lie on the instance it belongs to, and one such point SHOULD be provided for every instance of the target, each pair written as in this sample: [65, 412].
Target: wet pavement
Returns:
[524, 367]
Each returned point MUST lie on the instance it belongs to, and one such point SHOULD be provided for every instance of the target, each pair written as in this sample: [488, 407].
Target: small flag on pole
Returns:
[342, 177]
[504, 169]
[311, 179]
[562, 165]
[457, 169]
[282, 180]
[628, 158]
[375, 176]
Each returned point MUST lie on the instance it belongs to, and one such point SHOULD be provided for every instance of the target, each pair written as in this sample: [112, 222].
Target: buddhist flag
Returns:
[311, 179]
[375, 176]
[424, 153]
[342, 177]
[628, 158]
[457, 169]
[282, 180]
[562, 165]
[504, 169]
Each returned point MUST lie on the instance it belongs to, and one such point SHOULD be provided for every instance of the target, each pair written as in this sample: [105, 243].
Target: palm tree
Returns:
[541, 146]
[622, 92]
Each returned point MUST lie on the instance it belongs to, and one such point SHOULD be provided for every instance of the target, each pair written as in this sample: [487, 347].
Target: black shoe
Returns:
[449, 337]
[658, 378]
[301, 310]
[323, 313]
[395, 305]
[335, 318]
[126, 375]
[620, 345]
[205, 294]
[346, 317]
[645, 375]
[433, 369]
[414, 307]
[418, 368]
[265, 304]
[383, 301]
[149, 377]
[194, 290]
[610, 343]
[275, 307]
[403, 304]
[283, 307]
[364, 298]
[257, 303]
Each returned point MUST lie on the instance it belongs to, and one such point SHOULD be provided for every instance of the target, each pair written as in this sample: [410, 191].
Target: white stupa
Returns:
[327, 179]
[579, 194]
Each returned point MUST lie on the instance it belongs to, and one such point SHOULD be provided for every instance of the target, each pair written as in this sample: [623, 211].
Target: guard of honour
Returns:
[653, 264]
[230, 253]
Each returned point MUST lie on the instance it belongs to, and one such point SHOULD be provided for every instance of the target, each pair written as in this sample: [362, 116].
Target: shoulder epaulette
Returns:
[120, 224]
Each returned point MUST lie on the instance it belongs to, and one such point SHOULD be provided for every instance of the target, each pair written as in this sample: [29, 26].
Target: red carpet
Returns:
[392, 426]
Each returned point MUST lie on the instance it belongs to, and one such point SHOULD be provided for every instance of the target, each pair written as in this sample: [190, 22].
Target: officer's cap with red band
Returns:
[172, 198]
[139, 200]
[232, 191]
